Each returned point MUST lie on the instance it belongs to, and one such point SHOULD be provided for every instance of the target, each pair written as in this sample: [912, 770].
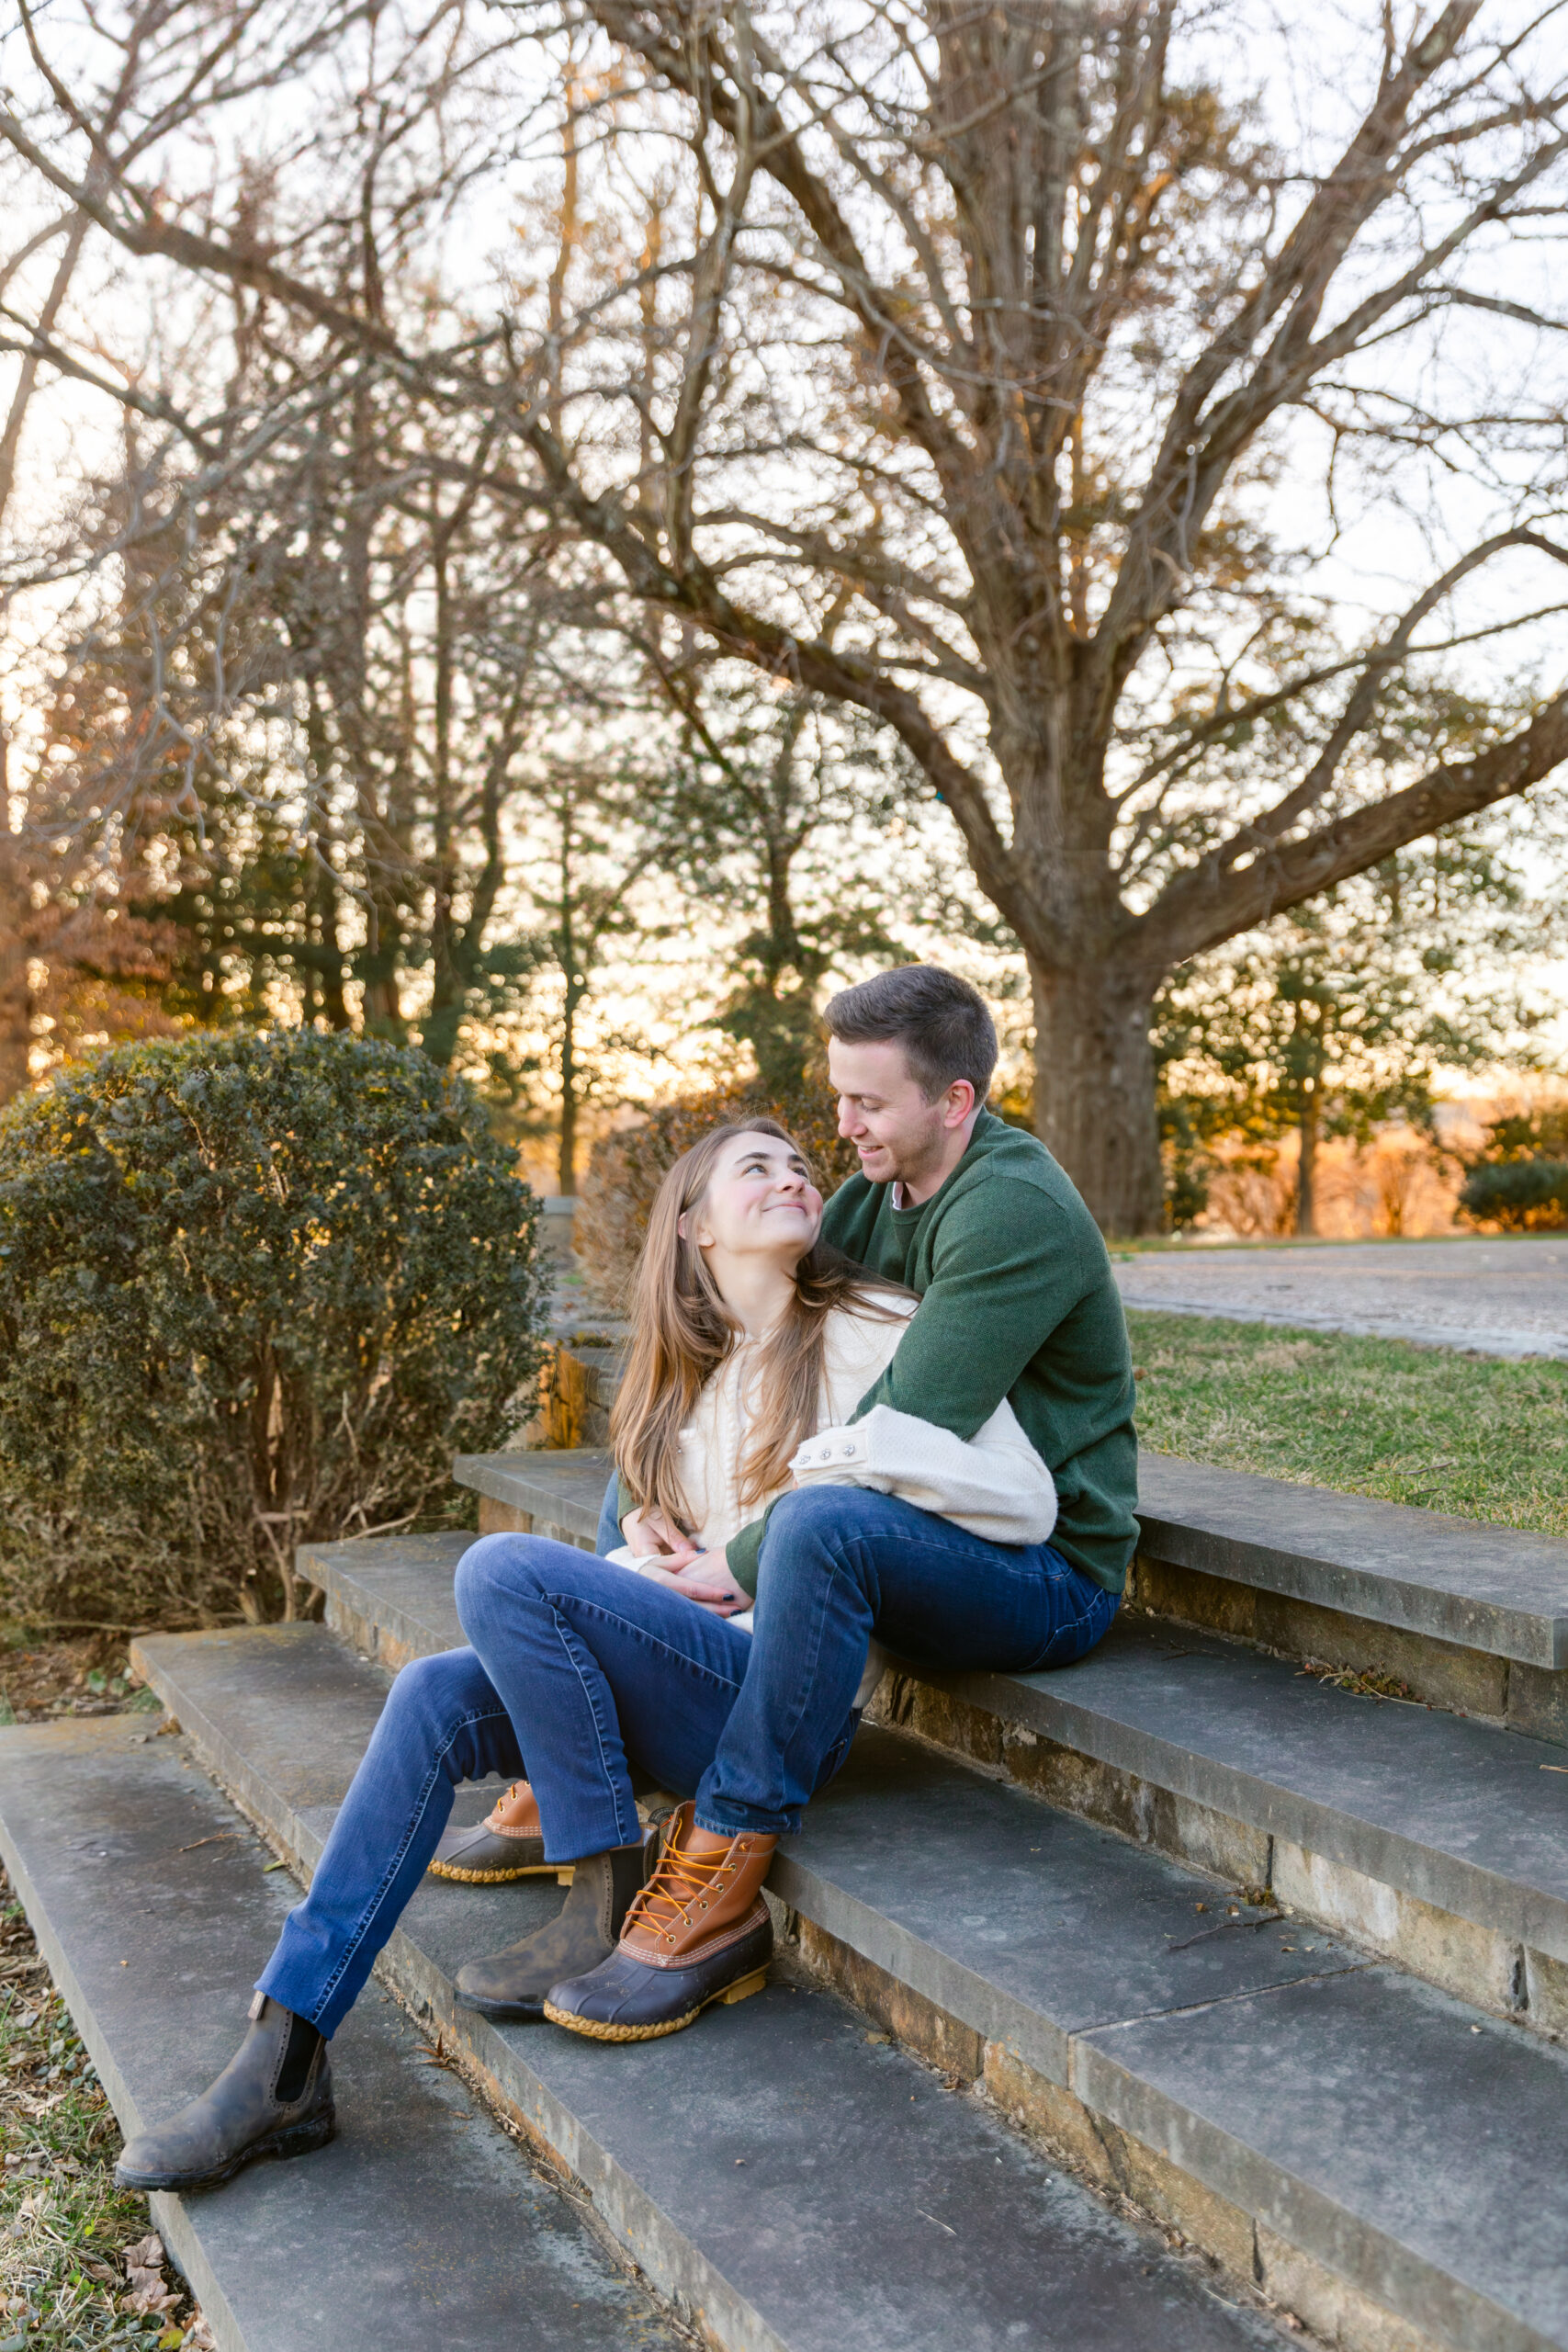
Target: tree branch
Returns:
[1195, 912]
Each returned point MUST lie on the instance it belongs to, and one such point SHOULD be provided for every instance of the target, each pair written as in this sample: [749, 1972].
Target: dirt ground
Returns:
[86, 1675]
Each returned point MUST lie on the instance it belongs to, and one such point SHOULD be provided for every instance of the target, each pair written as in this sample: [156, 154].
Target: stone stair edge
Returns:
[1465, 1583]
[169, 2215]
[674, 2261]
[1234, 2168]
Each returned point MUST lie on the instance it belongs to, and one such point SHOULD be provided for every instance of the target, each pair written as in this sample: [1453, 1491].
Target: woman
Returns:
[748, 1343]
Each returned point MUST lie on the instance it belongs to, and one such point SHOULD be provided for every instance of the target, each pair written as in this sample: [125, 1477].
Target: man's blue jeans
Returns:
[577, 1666]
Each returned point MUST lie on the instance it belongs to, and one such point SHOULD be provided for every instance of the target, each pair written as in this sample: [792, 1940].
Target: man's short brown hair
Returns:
[941, 1022]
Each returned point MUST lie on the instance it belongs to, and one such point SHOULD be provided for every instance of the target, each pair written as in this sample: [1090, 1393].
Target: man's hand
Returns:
[653, 1537]
[706, 1579]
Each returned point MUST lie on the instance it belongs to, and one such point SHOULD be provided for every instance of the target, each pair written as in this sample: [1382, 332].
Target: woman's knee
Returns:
[496, 1568]
[810, 1538]
[432, 1694]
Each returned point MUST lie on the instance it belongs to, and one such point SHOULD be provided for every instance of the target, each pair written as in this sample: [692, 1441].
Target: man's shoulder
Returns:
[854, 1203]
[1014, 1168]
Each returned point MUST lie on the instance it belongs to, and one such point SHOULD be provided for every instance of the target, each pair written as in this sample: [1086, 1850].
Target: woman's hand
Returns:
[654, 1537]
[706, 1579]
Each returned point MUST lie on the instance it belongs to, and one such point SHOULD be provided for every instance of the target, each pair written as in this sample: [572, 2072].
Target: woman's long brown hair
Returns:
[682, 1332]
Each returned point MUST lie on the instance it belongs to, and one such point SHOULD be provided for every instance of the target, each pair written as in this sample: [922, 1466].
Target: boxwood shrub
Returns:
[1520, 1195]
[253, 1290]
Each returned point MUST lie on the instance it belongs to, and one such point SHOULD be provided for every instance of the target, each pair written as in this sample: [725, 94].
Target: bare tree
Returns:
[296, 705]
[999, 322]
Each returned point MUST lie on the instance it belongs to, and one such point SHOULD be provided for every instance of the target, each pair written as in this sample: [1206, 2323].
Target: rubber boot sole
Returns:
[597, 2030]
[295, 2139]
[502, 2012]
[562, 1872]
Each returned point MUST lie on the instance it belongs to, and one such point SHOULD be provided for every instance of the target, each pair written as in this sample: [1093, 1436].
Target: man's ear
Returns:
[957, 1104]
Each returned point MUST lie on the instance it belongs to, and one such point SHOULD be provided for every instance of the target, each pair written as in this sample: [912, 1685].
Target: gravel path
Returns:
[1497, 1298]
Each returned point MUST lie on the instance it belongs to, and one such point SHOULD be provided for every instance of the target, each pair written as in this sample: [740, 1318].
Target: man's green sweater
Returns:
[1017, 1300]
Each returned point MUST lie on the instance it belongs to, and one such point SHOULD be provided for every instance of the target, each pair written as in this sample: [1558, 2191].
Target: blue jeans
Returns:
[577, 1668]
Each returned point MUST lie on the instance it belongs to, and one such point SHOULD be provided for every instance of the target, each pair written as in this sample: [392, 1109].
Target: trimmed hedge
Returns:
[252, 1291]
[1521, 1196]
[627, 1166]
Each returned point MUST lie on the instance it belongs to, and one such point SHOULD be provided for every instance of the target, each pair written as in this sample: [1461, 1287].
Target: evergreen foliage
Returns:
[1519, 1179]
[253, 1290]
[1339, 1017]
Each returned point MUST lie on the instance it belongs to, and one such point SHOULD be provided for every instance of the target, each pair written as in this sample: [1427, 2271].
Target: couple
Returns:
[856, 1421]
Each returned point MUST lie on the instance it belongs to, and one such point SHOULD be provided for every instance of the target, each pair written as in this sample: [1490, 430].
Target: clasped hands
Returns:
[701, 1576]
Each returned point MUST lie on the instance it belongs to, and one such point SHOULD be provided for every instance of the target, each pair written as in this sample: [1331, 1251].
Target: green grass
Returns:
[65, 2228]
[1474, 1435]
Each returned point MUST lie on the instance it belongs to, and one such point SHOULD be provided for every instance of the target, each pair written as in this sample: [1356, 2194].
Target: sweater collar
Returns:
[986, 1128]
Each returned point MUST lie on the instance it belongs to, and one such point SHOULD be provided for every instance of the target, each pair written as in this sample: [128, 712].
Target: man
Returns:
[1017, 1300]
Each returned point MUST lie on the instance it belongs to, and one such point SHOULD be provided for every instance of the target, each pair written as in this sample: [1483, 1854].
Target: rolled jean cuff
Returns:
[721, 1817]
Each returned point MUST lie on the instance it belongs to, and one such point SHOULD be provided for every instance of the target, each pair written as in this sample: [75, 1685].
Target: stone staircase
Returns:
[1193, 1996]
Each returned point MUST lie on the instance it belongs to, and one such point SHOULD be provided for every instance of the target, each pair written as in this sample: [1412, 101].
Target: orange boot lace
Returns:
[675, 1907]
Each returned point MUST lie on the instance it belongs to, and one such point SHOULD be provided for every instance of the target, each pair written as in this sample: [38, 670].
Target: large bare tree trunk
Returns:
[1094, 1092]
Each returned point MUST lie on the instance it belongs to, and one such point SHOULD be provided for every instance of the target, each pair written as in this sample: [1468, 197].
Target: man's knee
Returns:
[808, 1528]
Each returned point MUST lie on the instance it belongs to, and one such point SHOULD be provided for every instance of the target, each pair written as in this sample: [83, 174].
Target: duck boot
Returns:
[698, 1932]
[508, 1843]
[273, 2099]
[513, 1983]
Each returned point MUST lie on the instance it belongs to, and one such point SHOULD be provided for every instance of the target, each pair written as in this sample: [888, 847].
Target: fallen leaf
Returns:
[147, 2254]
[150, 2299]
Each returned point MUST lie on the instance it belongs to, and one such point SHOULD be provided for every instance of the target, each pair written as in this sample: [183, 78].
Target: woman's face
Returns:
[760, 1201]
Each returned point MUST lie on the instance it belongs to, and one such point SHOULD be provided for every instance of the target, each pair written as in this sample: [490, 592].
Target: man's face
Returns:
[884, 1113]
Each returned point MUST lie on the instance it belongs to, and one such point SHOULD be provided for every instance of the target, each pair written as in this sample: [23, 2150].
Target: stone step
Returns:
[1439, 1841]
[789, 2184]
[1382, 2157]
[1472, 1616]
[422, 2223]
[1468, 1616]
[538, 1492]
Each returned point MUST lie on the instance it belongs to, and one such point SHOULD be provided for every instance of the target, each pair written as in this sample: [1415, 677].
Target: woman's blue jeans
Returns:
[576, 1668]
